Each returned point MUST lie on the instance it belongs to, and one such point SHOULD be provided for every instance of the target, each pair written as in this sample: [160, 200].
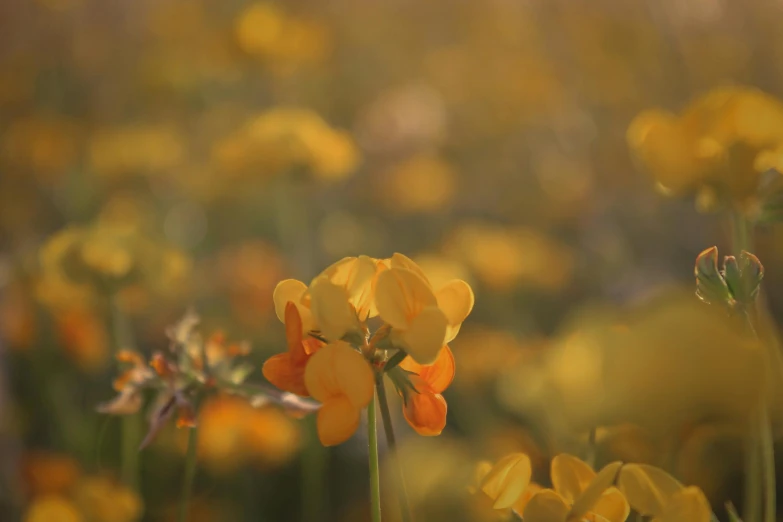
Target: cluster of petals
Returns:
[327, 336]
[579, 493]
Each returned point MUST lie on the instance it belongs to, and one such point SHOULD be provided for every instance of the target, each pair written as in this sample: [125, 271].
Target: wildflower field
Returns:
[391, 260]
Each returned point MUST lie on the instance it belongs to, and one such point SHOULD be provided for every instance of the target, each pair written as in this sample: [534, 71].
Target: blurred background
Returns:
[196, 152]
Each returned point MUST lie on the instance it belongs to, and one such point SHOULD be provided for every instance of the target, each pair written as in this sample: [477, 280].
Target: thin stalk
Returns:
[314, 463]
[131, 424]
[762, 443]
[375, 478]
[391, 443]
[189, 476]
[591, 447]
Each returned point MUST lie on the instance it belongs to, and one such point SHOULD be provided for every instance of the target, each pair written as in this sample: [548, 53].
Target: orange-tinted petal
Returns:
[337, 369]
[438, 375]
[293, 334]
[337, 421]
[426, 413]
[521, 503]
[281, 372]
[687, 505]
[647, 488]
[612, 506]
[594, 491]
[570, 476]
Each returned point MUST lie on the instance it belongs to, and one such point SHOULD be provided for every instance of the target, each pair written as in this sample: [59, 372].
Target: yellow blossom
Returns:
[53, 507]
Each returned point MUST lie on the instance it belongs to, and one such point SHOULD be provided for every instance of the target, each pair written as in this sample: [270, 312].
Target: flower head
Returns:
[425, 408]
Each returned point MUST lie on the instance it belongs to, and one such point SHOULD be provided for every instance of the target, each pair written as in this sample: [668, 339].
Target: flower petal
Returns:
[353, 375]
[570, 476]
[293, 334]
[456, 300]
[398, 260]
[337, 421]
[612, 506]
[687, 505]
[590, 495]
[282, 372]
[285, 291]
[438, 375]
[331, 310]
[522, 502]
[426, 413]
[507, 480]
[400, 295]
[424, 337]
[546, 506]
[647, 488]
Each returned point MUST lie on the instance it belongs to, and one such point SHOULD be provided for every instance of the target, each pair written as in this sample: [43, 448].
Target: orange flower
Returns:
[425, 409]
[341, 379]
[286, 370]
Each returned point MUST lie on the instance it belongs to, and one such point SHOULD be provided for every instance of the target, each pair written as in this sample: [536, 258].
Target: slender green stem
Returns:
[131, 424]
[375, 478]
[761, 446]
[391, 442]
[314, 463]
[751, 509]
[189, 476]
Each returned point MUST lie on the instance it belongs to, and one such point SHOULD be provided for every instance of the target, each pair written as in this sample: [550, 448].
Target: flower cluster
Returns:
[580, 493]
[717, 147]
[333, 358]
[193, 367]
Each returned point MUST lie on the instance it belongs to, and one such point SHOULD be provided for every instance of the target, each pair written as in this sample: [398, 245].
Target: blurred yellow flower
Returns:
[84, 337]
[45, 145]
[503, 258]
[341, 379]
[263, 29]
[53, 507]
[721, 142]
[136, 149]
[579, 492]
[45, 473]
[231, 431]
[423, 183]
[102, 499]
[285, 138]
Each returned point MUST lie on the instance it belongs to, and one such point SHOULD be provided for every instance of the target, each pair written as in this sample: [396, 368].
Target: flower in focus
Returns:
[422, 320]
[579, 492]
[424, 407]
[342, 380]
[654, 493]
[286, 370]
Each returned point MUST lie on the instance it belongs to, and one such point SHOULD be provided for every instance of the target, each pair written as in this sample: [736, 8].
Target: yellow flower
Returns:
[136, 149]
[104, 500]
[424, 183]
[507, 480]
[52, 507]
[654, 493]
[337, 300]
[579, 492]
[341, 379]
[422, 320]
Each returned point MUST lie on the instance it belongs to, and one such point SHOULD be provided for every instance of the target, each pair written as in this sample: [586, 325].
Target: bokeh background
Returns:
[204, 150]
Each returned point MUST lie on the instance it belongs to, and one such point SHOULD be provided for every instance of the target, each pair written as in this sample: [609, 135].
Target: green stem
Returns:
[189, 476]
[131, 424]
[391, 442]
[375, 479]
[314, 461]
[761, 447]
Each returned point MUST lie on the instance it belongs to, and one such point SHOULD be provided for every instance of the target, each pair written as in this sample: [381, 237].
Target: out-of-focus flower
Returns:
[53, 507]
[422, 319]
[424, 406]
[341, 379]
[17, 316]
[721, 143]
[579, 492]
[284, 138]
[46, 146]
[83, 336]
[653, 492]
[264, 30]
[135, 149]
[503, 258]
[46, 473]
[505, 481]
[102, 499]
[423, 183]
[232, 430]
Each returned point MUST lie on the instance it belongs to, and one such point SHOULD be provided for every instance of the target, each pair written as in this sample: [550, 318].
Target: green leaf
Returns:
[710, 285]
